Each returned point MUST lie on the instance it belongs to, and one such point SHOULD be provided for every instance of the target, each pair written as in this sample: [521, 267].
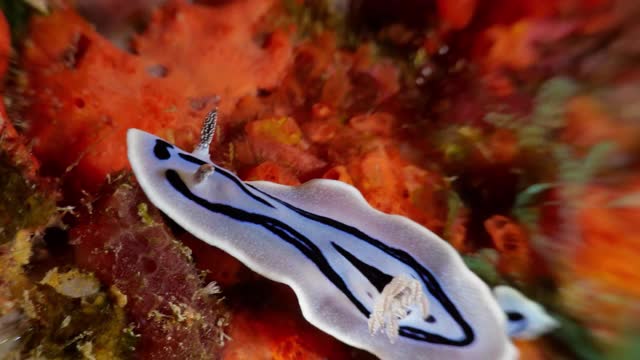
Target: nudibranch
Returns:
[337, 253]
[527, 319]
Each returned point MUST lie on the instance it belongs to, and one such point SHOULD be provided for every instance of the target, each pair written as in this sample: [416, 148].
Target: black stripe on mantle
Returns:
[311, 251]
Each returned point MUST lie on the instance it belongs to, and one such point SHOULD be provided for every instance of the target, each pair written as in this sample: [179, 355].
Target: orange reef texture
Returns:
[460, 127]
[86, 92]
[603, 272]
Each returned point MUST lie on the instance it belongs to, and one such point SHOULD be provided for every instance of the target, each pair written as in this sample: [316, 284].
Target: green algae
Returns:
[67, 328]
[22, 204]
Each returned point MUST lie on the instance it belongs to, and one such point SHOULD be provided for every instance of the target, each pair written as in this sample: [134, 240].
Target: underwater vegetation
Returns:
[511, 129]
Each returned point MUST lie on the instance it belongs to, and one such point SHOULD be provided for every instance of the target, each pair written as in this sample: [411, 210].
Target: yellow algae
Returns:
[73, 283]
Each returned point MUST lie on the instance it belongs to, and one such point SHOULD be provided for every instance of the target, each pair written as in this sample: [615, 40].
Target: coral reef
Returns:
[509, 128]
